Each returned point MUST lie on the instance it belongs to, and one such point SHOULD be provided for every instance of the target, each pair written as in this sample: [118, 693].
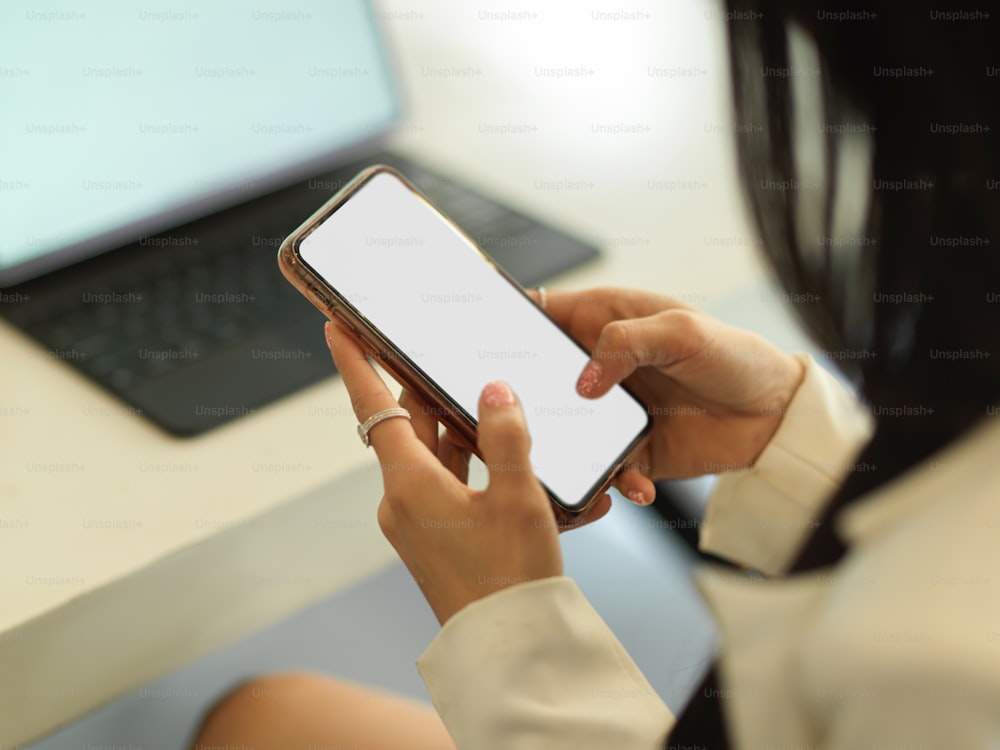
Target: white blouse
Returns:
[896, 648]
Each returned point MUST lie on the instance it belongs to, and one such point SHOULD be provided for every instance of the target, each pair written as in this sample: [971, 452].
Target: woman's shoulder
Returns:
[948, 507]
[918, 593]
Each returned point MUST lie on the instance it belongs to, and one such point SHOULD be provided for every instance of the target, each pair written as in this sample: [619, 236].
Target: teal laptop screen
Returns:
[120, 118]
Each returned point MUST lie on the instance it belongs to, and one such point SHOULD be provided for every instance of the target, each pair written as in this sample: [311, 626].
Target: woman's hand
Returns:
[717, 393]
[458, 543]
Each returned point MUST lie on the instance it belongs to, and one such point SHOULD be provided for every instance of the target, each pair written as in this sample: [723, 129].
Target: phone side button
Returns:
[320, 296]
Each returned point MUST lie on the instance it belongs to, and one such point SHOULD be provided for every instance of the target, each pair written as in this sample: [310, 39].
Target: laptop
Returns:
[151, 162]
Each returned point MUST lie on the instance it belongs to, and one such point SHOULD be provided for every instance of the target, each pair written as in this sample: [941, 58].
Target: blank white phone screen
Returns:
[428, 290]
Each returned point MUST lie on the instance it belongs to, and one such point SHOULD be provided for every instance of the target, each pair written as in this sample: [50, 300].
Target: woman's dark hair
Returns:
[910, 305]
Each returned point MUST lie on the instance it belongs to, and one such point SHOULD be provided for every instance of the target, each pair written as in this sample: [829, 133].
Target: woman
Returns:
[874, 182]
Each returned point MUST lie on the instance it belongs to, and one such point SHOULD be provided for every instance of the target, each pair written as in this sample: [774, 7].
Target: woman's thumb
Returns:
[503, 435]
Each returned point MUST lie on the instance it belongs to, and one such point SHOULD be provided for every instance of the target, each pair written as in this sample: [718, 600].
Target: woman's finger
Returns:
[623, 346]
[425, 424]
[595, 512]
[636, 486]
[584, 313]
[504, 440]
[455, 457]
[393, 439]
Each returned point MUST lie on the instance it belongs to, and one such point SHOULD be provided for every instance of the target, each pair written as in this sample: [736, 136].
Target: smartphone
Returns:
[444, 320]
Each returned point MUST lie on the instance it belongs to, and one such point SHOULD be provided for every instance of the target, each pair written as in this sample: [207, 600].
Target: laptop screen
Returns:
[121, 118]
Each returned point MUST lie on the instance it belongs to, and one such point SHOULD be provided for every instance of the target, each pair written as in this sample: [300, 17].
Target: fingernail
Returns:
[590, 378]
[637, 497]
[498, 393]
[327, 331]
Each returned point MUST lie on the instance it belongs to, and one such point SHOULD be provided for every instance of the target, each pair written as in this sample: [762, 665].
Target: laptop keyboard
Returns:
[140, 327]
[197, 326]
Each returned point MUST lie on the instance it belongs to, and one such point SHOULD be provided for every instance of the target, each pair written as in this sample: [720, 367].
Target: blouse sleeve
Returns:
[760, 517]
[534, 667]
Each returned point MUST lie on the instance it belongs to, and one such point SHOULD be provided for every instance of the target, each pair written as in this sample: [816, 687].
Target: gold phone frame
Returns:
[339, 309]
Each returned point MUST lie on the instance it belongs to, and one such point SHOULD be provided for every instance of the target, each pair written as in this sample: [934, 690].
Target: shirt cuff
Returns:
[760, 517]
[533, 666]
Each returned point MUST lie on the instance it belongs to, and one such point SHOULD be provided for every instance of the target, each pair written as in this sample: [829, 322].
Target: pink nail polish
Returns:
[498, 394]
[590, 378]
[637, 497]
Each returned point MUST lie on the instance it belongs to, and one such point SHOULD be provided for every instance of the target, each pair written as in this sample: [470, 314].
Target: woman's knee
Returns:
[294, 710]
[263, 706]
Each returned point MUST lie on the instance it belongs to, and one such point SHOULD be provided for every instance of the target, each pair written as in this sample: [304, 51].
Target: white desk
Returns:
[125, 553]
